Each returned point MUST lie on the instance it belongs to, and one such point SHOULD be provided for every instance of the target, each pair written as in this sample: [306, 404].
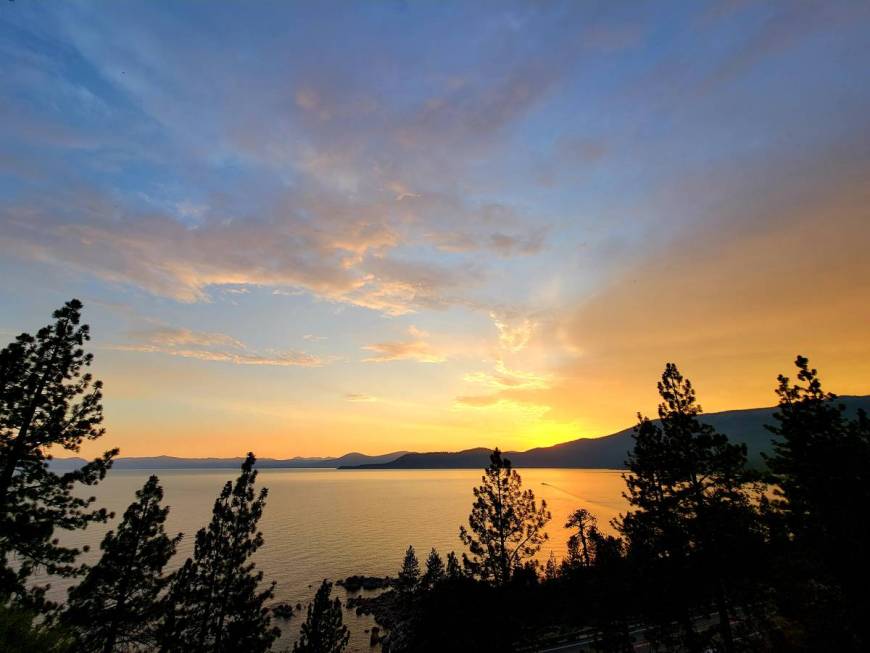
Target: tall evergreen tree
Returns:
[323, 630]
[551, 569]
[408, 578]
[580, 543]
[506, 525]
[690, 511]
[820, 468]
[215, 602]
[47, 401]
[454, 568]
[434, 570]
[116, 606]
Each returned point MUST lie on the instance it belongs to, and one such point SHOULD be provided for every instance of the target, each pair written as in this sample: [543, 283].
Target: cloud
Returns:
[479, 401]
[174, 337]
[314, 181]
[166, 258]
[360, 397]
[782, 275]
[209, 346]
[484, 402]
[510, 388]
[401, 191]
[504, 378]
[513, 333]
[416, 349]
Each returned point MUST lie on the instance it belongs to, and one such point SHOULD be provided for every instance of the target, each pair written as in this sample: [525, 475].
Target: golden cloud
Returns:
[416, 349]
[209, 346]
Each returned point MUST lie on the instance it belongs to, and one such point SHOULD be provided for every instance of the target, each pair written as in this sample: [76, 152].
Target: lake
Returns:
[328, 523]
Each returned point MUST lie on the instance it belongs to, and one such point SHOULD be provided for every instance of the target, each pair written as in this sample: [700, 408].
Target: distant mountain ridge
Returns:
[609, 451]
[605, 452]
[172, 462]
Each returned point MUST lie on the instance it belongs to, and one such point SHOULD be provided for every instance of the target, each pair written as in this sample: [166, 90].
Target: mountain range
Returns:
[609, 451]
[171, 462]
[605, 452]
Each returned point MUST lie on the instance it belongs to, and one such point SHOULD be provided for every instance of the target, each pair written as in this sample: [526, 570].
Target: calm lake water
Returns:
[327, 523]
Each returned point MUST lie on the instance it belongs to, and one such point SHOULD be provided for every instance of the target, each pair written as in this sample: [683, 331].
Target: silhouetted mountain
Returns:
[609, 451]
[605, 452]
[171, 462]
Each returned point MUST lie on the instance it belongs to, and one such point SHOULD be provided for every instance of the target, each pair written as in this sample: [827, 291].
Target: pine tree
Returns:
[819, 457]
[215, 602]
[580, 543]
[434, 570]
[506, 526]
[323, 630]
[116, 606]
[551, 569]
[408, 578]
[454, 569]
[47, 400]
[820, 469]
[691, 513]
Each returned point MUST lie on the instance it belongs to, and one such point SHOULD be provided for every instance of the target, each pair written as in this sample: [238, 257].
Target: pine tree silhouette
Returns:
[580, 543]
[323, 630]
[215, 602]
[454, 568]
[690, 510]
[434, 570]
[820, 468]
[551, 569]
[408, 578]
[116, 606]
[505, 525]
[46, 400]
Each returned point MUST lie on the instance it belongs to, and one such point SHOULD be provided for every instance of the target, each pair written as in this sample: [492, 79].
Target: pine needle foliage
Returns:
[215, 602]
[506, 524]
[323, 630]
[117, 605]
[48, 400]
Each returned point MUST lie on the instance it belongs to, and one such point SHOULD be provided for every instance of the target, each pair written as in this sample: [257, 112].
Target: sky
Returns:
[305, 229]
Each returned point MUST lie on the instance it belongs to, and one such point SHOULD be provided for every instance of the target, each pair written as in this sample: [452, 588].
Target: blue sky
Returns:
[316, 227]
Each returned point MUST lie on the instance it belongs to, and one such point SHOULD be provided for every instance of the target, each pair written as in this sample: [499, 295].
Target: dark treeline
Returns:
[711, 555]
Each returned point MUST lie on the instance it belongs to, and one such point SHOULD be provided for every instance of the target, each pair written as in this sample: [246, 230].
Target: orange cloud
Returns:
[503, 377]
[416, 349]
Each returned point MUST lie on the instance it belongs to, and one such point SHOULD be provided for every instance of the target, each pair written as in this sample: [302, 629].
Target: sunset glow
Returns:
[322, 227]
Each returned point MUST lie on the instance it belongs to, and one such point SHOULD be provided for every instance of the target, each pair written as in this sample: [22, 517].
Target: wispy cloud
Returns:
[514, 333]
[499, 403]
[415, 349]
[372, 179]
[209, 346]
[504, 378]
[360, 397]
